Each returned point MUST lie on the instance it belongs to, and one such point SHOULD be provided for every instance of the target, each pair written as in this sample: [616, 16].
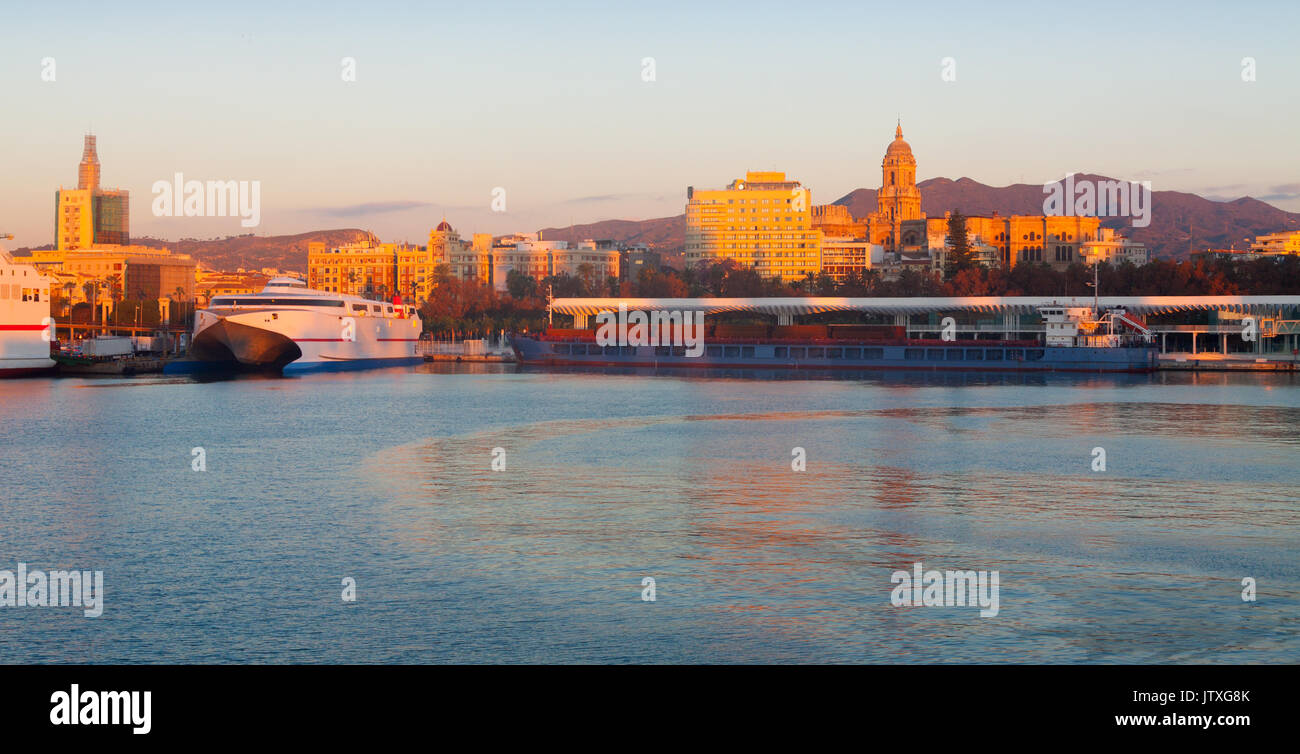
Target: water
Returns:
[385, 477]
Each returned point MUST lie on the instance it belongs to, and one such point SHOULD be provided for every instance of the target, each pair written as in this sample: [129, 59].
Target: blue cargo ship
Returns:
[1073, 341]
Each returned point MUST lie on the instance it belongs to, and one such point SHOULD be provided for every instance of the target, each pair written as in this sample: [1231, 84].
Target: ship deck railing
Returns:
[921, 342]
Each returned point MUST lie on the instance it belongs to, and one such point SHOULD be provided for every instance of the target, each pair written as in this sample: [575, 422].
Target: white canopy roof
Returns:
[1143, 305]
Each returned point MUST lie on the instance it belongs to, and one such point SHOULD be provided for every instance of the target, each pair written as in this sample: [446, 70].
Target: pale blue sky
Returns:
[547, 101]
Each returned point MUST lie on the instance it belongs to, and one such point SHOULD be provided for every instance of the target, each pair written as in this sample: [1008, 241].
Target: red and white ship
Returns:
[289, 327]
[25, 324]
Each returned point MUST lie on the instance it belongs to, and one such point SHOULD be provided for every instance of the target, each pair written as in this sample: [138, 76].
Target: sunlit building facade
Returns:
[133, 272]
[89, 216]
[1277, 243]
[911, 238]
[372, 270]
[762, 221]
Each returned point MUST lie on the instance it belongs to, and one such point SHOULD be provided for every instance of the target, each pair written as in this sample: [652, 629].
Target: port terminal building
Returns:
[1178, 324]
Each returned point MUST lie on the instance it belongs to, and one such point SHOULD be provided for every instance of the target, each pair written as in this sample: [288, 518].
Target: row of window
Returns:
[1039, 237]
[814, 352]
[15, 292]
[276, 302]
[973, 354]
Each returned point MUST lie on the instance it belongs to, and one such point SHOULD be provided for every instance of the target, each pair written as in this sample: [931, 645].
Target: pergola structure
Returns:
[1283, 310]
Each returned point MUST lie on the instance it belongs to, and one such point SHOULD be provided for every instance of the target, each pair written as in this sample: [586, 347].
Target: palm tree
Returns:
[91, 287]
[68, 288]
[180, 299]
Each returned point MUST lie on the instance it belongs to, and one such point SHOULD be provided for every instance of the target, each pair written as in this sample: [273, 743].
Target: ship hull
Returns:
[297, 341]
[24, 348]
[967, 356]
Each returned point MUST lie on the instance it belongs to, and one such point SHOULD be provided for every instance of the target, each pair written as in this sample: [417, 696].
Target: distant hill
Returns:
[255, 252]
[664, 233]
[1180, 222]
[251, 252]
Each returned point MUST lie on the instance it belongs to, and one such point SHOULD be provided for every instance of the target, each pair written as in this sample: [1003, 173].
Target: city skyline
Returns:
[553, 107]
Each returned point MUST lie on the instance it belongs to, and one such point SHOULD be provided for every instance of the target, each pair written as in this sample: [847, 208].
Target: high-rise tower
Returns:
[89, 216]
[88, 170]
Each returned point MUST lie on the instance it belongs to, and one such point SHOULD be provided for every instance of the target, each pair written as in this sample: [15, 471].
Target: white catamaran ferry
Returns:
[291, 328]
[25, 324]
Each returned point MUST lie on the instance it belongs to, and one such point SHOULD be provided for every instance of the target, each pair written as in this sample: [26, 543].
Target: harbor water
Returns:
[491, 513]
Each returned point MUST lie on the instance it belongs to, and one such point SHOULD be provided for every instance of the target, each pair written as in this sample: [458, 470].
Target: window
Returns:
[934, 354]
[560, 348]
[276, 302]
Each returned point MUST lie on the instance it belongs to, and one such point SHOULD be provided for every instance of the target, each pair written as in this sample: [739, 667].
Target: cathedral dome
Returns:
[443, 226]
[899, 149]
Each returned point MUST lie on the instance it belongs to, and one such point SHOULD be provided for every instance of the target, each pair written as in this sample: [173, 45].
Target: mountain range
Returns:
[1180, 222]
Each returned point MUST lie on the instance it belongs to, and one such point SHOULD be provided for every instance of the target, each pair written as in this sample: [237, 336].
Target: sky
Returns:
[550, 102]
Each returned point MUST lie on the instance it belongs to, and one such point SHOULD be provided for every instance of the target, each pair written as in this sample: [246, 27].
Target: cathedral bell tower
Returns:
[898, 199]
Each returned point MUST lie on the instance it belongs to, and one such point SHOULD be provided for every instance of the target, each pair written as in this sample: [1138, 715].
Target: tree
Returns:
[587, 274]
[960, 256]
[520, 285]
